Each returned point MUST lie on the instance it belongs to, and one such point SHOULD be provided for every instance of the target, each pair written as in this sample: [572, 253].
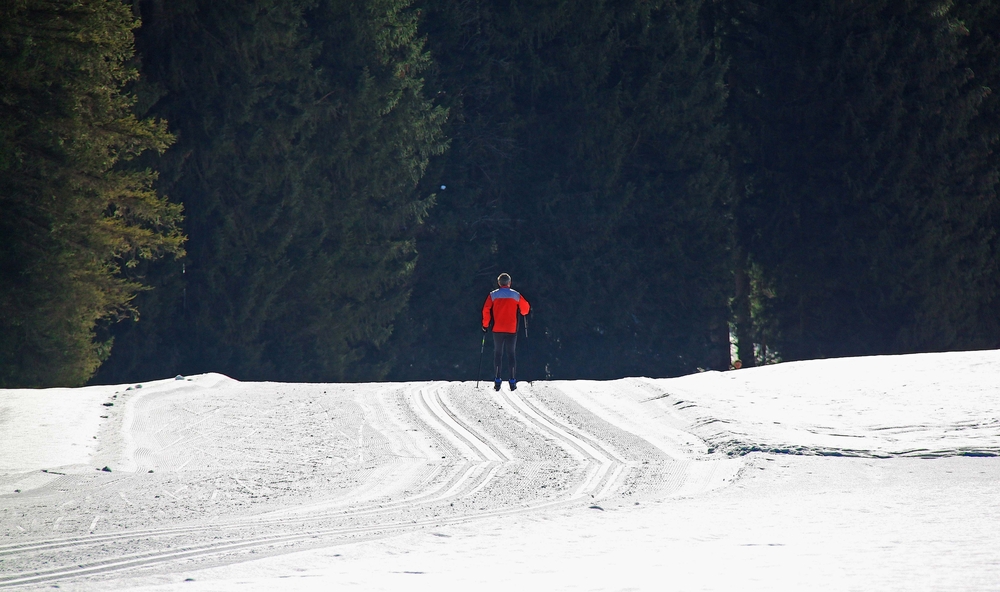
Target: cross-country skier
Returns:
[503, 304]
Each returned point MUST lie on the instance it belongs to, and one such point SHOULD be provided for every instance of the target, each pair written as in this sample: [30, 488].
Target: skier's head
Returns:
[504, 280]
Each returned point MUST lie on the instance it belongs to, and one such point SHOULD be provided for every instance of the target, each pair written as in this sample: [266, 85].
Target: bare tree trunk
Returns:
[744, 322]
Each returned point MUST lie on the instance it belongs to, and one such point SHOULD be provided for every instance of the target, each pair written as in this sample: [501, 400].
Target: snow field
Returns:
[853, 474]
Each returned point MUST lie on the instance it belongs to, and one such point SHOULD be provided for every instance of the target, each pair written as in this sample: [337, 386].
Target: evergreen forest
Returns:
[327, 190]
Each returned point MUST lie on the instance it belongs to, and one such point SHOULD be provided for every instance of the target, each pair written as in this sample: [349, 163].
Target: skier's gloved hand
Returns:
[485, 329]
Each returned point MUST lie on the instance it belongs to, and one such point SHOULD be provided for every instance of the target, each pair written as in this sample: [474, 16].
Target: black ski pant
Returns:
[504, 342]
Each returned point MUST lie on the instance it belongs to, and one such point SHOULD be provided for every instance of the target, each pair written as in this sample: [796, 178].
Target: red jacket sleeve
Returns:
[487, 311]
[523, 306]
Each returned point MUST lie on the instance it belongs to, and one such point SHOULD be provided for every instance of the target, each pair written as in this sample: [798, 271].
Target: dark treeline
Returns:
[326, 190]
[302, 129]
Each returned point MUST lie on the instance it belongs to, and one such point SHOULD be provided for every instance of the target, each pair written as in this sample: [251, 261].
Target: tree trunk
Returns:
[744, 322]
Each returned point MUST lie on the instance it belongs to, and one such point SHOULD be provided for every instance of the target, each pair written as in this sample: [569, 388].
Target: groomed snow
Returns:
[874, 473]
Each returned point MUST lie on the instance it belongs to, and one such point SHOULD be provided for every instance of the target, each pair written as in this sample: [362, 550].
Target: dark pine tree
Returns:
[979, 34]
[373, 135]
[71, 216]
[302, 133]
[233, 79]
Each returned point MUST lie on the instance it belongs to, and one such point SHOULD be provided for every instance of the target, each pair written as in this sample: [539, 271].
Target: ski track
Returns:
[359, 463]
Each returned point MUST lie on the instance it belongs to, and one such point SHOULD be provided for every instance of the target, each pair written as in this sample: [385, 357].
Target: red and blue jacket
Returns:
[504, 304]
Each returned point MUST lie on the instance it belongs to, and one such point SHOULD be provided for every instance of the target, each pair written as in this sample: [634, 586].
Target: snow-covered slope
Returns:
[871, 473]
[926, 405]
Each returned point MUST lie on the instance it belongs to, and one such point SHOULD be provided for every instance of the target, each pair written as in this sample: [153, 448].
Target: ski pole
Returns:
[482, 347]
[525, 346]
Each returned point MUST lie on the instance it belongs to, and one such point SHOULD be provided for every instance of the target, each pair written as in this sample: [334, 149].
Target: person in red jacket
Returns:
[502, 305]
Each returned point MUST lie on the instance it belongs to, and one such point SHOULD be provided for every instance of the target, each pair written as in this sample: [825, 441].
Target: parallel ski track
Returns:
[607, 466]
[484, 459]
